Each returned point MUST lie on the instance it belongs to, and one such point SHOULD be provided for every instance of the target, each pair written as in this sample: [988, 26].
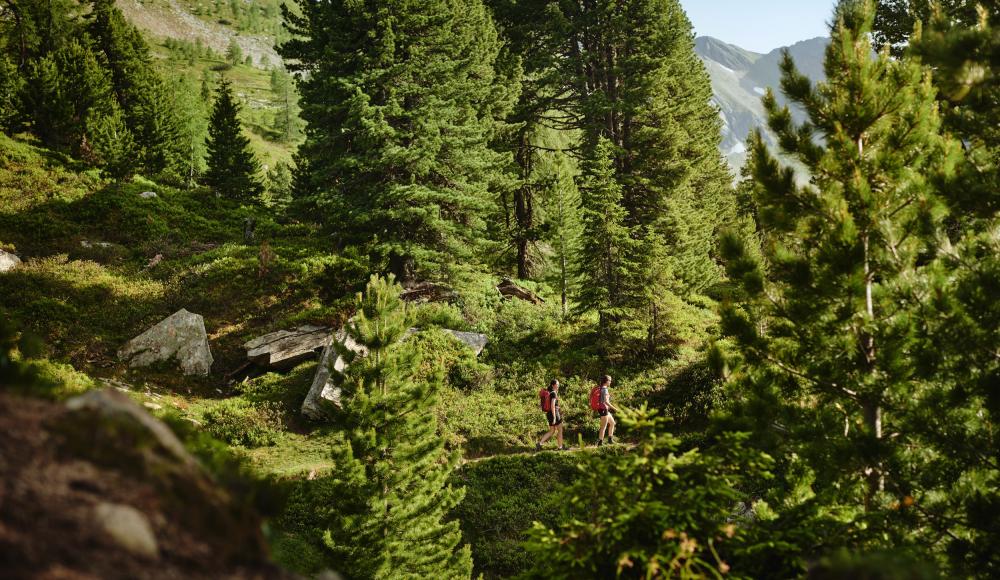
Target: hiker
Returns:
[549, 399]
[600, 401]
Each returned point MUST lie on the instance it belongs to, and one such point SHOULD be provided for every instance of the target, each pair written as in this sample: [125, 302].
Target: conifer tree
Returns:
[232, 168]
[401, 101]
[827, 334]
[606, 261]
[394, 468]
[639, 83]
[144, 98]
[958, 418]
[234, 54]
[11, 85]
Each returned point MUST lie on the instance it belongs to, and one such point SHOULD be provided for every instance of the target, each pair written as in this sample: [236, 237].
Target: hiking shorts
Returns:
[554, 418]
[603, 412]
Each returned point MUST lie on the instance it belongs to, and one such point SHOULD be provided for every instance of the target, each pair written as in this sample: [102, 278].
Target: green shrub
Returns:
[503, 497]
[241, 422]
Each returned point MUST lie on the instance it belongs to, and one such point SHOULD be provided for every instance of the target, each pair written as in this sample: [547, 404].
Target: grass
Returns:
[85, 302]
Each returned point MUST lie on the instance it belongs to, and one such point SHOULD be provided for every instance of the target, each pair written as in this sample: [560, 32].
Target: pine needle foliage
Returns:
[393, 467]
[233, 171]
[402, 100]
[827, 334]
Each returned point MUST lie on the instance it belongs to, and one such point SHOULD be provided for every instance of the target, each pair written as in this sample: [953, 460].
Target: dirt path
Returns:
[575, 449]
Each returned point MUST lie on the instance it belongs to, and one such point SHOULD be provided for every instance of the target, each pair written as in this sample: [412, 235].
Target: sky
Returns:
[760, 25]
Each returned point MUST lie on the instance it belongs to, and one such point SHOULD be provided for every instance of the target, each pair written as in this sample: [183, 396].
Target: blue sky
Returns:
[760, 25]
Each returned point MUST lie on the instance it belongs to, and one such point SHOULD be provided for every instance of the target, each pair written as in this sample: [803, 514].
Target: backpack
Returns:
[595, 398]
[545, 400]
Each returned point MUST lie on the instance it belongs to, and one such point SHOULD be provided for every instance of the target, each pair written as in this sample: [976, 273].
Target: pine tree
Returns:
[234, 54]
[401, 101]
[65, 92]
[606, 262]
[958, 418]
[394, 468]
[144, 98]
[639, 83]
[828, 334]
[232, 168]
[11, 86]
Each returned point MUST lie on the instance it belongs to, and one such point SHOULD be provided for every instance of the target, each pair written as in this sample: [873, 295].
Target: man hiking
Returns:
[549, 399]
[600, 401]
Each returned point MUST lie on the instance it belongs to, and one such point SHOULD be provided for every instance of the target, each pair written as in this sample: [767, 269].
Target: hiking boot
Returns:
[563, 448]
[538, 446]
[611, 440]
[600, 442]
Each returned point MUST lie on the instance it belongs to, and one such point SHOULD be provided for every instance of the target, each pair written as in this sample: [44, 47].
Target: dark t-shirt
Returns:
[553, 401]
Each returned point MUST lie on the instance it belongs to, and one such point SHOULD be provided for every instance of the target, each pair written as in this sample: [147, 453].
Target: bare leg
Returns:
[547, 436]
[559, 435]
[604, 426]
[611, 425]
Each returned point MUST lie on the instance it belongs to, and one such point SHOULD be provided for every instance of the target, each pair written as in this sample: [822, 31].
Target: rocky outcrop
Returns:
[98, 488]
[180, 337]
[8, 261]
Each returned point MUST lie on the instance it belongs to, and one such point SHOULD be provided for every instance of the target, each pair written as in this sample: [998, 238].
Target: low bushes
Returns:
[241, 422]
[503, 497]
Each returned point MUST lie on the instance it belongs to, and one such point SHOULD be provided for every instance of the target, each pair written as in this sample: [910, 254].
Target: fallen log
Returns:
[508, 288]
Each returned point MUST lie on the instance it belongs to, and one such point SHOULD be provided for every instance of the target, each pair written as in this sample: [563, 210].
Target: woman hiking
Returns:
[600, 401]
[553, 413]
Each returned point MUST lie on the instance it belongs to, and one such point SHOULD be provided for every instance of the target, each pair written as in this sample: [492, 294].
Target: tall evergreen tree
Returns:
[401, 101]
[828, 334]
[606, 263]
[960, 417]
[394, 468]
[640, 84]
[144, 98]
[233, 171]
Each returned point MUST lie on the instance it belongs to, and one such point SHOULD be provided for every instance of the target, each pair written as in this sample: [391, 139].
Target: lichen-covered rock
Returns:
[128, 527]
[8, 261]
[474, 340]
[180, 337]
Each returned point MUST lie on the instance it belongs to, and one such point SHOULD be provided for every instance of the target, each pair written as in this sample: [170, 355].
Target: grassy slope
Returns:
[86, 302]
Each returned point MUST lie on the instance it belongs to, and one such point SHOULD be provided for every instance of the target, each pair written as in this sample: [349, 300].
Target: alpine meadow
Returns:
[353, 289]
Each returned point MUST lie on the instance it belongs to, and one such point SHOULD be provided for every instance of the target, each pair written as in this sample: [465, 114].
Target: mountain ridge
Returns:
[741, 77]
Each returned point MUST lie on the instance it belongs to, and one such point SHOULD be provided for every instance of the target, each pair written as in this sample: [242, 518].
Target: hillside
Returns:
[739, 79]
[101, 264]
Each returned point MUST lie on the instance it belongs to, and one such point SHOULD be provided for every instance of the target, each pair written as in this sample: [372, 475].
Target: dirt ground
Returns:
[48, 528]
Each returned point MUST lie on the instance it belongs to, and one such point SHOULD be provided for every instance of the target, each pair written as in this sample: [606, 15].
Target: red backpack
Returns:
[545, 400]
[595, 398]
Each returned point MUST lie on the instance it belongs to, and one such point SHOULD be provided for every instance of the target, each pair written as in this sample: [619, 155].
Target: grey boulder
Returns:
[128, 527]
[180, 337]
[8, 261]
